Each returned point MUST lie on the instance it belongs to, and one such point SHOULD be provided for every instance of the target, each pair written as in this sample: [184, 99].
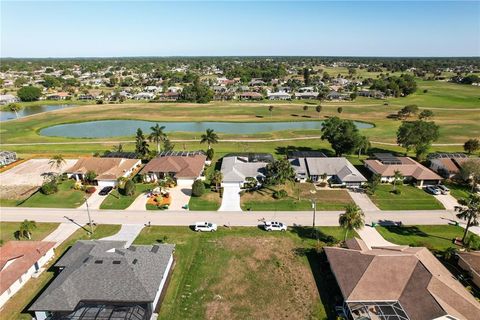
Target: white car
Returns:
[433, 190]
[443, 189]
[274, 226]
[205, 226]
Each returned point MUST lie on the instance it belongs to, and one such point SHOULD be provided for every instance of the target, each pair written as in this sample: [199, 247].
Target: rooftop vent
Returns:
[134, 261]
[155, 249]
[116, 262]
[98, 261]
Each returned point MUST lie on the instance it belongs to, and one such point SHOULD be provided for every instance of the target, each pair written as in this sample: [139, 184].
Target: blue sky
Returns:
[148, 28]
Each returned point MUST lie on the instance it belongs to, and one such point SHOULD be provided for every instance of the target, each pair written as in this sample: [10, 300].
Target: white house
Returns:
[7, 99]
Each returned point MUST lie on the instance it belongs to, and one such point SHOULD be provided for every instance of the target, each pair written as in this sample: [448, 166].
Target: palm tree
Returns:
[397, 176]
[318, 109]
[141, 146]
[270, 108]
[118, 148]
[209, 137]
[352, 219]
[157, 135]
[26, 228]
[57, 161]
[363, 145]
[14, 107]
[469, 211]
[217, 178]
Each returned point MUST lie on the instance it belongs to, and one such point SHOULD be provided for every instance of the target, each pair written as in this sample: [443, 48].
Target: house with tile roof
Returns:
[385, 165]
[108, 170]
[397, 283]
[104, 280]
[448, 165]
[184, 168]
[19, 261]
[470, 262]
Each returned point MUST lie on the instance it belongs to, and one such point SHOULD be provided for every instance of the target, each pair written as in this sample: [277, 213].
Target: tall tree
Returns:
[270, 108]
[29, 93]
[418, 135]
[470, 172]
[363, 145]
[157, 135]
[469, 211]
[306, 76]
[352, 219]
[209, 137]
[57, 161]
[141, 145]
[397, 176]
[305, 109]
[426, 114]
[117, 148]
[318, 109]
[216, 178]
[279, 171]
[343, 135]
[471, 146]
[26, 228]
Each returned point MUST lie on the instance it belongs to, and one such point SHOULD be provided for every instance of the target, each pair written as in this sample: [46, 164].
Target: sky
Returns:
[247, 28]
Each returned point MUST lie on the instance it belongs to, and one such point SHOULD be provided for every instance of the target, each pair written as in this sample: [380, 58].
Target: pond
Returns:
[28, 111]
[116, 128]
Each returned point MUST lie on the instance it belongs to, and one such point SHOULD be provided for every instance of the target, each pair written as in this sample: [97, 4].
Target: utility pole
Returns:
[314, 207]
[89, 219]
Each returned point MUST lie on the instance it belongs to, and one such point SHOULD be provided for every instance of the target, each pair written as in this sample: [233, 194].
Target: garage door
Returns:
[106, 183]
[185, 182]
[231, 197]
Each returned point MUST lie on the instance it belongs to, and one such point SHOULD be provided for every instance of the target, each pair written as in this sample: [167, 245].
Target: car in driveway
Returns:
[205, 226]
[105, 191]
[443, 189]
[274, 226]
[433, 190]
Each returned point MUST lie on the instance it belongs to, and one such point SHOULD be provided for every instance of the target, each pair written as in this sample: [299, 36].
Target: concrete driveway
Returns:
[372, 238]
[180, 196]
[128, 233]
[94, 201]
[362, 200]
[231, 197]
[139, 204]
[448, 201]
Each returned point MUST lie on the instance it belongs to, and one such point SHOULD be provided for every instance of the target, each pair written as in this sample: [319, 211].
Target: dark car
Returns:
[105, 191]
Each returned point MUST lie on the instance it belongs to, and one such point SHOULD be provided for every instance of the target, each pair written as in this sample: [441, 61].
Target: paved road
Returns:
[184, 218]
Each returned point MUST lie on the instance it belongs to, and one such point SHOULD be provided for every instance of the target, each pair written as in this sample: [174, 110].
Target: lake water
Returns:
[28, 111]
[116, 128]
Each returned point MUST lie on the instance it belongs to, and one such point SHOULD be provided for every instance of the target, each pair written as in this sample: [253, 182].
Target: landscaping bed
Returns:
[409, 198]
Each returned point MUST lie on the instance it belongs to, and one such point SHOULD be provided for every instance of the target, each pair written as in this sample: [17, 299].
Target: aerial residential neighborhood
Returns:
[180, 160]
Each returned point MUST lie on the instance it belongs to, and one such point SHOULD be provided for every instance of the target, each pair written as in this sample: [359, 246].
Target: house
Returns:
[338, 171]
[371, 94]
[397, 283]
[86, 97]
[7, 99]
[306, 95]
[250, 96]
[144, 96]
[279, 96]
[333, 95]
[470, 262]
[447, 165]
[7, 157]
[237, 168]
[105, 280]
[169, 96]
[59, 96]
[184, 167]
[385, 164]
[19, 260]
[108, 170]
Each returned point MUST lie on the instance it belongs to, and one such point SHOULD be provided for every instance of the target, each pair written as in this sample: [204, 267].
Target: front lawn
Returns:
[459, 191]
[299, 196]
[8, 230]
[244, 273]
[16, 307]
[410, 198]
[119, 201]
[436, 237]
[66, 197]
[209, 201]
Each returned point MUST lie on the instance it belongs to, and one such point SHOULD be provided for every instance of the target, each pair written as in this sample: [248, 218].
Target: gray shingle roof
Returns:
[105, 271]
[340, 167]
[237, 169]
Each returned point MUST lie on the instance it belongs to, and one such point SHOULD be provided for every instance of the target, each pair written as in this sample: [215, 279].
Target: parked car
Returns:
[205, 226]
[105, 191]
[443, 189]
[274, 226]
[433, 190]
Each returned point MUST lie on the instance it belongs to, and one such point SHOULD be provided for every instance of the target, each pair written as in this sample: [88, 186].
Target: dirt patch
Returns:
[264, 279]
[16, 192]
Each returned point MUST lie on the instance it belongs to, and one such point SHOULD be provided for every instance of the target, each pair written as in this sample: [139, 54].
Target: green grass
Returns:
[66, 197]
[8, 230]
[209, 201]
[435, 237]
[119, 201]
[459, 191]
[9, 202]
[411, 198]
[204, 265]
[15, 308]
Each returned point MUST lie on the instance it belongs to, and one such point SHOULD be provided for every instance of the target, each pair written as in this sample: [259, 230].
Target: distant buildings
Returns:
[8, 98]
[7, 157]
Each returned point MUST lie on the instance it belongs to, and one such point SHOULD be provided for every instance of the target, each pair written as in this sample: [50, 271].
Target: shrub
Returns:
[48, 188]
[198, 188]
[280, 194]
[129, 188]
[90, 190]
[397, 191]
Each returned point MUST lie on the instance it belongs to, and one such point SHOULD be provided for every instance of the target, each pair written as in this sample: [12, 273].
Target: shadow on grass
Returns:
[412, 231]
[314, 234]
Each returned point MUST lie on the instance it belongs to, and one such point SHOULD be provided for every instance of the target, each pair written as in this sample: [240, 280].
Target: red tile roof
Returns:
[181, 166]
[408, 168]
[23, 255]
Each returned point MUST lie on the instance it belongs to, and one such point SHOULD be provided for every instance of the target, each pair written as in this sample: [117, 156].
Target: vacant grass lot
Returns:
[66, 197]
[299, 196]
[117, 200]
[8, 230]
[16, 307]
[209, 201]
[437, 237]
[411, 198]
[243, 273]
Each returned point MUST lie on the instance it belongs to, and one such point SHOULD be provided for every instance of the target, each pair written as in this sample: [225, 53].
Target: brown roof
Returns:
[408, 168]
[105, 168]
[22, 256]
[472, 259]
[412, 276]
[181, 166]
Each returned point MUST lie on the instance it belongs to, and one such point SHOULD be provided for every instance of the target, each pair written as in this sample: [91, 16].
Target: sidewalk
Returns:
[62, 233]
